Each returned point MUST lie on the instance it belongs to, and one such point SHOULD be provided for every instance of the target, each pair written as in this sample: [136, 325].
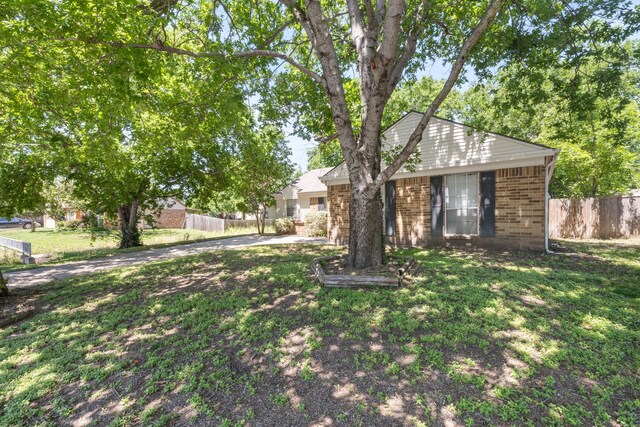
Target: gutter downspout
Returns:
[548, 172]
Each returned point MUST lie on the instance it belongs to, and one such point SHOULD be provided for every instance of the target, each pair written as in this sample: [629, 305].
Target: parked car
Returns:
[26, 223]
[17, 222]
[10, 222]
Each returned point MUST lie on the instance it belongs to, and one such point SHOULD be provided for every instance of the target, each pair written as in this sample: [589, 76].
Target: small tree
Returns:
[264, 169]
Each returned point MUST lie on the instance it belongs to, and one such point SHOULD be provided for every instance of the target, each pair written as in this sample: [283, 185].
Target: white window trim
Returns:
[444, 203]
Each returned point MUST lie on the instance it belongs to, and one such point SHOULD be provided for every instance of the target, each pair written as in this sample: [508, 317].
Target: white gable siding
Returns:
[447, 145]
[290, 192]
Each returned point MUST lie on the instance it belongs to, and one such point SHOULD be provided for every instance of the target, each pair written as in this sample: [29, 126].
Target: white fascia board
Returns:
[312, 193]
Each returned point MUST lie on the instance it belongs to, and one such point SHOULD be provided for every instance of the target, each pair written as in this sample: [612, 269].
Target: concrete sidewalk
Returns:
[37, 276]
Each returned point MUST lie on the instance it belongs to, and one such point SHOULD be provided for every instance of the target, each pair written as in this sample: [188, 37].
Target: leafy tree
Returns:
[263, 169]
[589, 110]
[416, 95]
[353, 53]
[59, 196]
[25, 174]
[325, 155]
[221, 204]
[127, 128]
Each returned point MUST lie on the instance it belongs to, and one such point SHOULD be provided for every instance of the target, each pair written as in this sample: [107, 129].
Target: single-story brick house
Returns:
[304, 195]
[470, 188]
[172, 215]
[70, 214]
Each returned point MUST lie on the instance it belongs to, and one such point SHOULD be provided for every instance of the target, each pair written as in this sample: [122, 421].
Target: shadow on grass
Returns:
[245, 337]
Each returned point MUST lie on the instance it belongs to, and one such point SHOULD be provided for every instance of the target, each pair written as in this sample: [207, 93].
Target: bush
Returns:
[70, 225]
[91, 220]
[284, 226]
[316, 224]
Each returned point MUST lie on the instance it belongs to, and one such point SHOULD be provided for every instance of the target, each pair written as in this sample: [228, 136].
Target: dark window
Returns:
[292, 205]
[436, 205]
[488, 203]
[321, 204]
[390, 208]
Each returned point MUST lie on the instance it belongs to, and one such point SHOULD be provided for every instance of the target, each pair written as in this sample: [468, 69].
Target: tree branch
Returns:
[409, 48]
[391, 31]
[357, 23]
[314, 23]
[415, 138]
[275, 34]
[242, 54]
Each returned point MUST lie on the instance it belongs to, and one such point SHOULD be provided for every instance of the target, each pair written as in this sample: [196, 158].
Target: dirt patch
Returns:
[16, 308]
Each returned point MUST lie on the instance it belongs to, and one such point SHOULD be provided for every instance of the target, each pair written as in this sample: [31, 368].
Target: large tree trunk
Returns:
[33, 223]
[366, 242]
[4, 290]
[128, 216]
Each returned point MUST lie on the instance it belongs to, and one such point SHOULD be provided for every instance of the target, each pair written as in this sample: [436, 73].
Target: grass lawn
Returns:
[77, 245]
[245, 337]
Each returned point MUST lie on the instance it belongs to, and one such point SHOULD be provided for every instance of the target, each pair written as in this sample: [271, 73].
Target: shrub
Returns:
[70, 225]
[316, 224]
[91, 220]
[284, 226]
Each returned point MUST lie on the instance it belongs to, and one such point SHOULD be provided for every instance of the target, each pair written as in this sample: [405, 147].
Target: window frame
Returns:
[295, 208]
[390, 229]
[446, 207]
[323, 204]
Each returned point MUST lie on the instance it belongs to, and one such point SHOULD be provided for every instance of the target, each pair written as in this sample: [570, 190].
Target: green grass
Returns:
[238, 337]
[78, 245]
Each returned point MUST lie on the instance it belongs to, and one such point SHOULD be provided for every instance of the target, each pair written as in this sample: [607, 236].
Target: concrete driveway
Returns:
[37, 276]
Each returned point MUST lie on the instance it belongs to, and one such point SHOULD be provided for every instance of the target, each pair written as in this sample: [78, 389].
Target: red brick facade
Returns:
[170, 218]
[520, 207]
[519, 212]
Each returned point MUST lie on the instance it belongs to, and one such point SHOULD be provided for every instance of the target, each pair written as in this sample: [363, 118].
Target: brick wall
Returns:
[413, 215]
[170, 218]
[519, 212]
[520, 207]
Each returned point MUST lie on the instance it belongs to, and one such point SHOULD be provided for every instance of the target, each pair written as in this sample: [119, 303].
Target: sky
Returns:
[299, 146]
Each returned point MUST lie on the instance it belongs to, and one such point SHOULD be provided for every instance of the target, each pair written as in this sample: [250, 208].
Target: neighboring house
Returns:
[470, 188]
[172, 215]
[70, 214]
[304, 195]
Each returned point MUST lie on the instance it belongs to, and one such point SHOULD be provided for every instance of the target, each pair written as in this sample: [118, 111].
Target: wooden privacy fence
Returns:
[204, 223]
[601, 218]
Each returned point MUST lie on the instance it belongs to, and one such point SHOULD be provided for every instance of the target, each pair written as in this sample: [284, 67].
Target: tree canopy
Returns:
[127, 128]
[590, 111]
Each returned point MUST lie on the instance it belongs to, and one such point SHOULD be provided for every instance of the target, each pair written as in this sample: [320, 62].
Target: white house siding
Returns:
[303, 205]
[302, 191]
[448, 145]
